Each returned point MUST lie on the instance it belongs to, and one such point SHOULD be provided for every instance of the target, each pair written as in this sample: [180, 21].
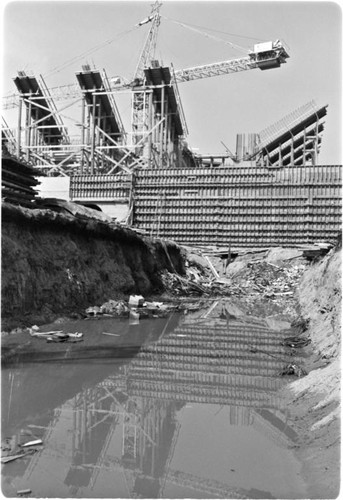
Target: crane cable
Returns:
[67, 63]
[226, 33]
[194, 27]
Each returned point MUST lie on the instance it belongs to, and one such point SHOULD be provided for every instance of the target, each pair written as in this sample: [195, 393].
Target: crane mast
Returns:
[140, 99]
[149, 47]
[157, 119]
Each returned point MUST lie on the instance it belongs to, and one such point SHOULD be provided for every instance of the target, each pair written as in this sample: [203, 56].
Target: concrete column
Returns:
[28, 130]
[20, 109]
[150, 125]
[82, 157]
[93, 135]
[162, 126]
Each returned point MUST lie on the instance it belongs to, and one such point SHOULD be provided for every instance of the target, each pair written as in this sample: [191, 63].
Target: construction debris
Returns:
[136, 301]
[55, 335]
[134, 317]
[10, 458]
[32, 443]
[256, 277]
[27, 491]
[296, 342]
[76, 335]
[293, 369]
[114, 308]
[45, 334]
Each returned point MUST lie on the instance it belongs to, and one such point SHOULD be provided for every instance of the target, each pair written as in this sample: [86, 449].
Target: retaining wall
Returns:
[246, 206]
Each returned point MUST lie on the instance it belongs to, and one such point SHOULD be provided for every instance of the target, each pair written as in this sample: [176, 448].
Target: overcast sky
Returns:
[56, 38]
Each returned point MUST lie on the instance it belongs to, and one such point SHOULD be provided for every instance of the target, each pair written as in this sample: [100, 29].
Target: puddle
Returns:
[180, 407]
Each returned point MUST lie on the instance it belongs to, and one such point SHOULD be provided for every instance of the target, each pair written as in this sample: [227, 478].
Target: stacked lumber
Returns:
[17, 181]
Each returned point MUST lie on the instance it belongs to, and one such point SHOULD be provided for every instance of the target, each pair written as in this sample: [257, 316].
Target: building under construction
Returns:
[271, 191]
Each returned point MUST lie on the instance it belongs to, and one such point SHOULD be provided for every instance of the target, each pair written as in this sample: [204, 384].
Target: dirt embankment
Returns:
[54, 264]
[315, 399]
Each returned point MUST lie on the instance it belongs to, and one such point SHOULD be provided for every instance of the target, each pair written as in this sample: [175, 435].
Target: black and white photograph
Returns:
[171, 240]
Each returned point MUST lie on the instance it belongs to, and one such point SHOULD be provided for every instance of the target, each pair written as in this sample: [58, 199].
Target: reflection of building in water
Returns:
[105, 428]
[128, 424]
[146, 426]
[273, 425]
[227, 363]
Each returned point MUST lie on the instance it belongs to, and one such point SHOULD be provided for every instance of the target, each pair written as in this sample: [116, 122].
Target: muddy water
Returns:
[181, 407]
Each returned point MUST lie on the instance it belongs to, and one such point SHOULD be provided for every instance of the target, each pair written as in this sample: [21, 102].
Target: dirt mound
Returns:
[315, 399]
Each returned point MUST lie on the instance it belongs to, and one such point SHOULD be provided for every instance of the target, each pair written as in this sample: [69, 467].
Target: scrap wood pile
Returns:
[18, 181]
[257, 278]
[130, 308]
[137, 307]
[197, 284]
[12, 450]
[134, 309]
[271, 280]
[55, 335]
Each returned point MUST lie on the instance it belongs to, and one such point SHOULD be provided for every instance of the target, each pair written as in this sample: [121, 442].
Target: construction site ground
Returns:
[279, 284]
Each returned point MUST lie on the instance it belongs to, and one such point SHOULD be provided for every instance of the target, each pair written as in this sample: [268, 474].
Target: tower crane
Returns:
[264, 56]
[267, 55]
[149, 47]
[139, 98]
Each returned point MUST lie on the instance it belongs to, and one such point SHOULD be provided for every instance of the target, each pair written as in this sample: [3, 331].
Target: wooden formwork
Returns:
[244, 206]
[100, 187]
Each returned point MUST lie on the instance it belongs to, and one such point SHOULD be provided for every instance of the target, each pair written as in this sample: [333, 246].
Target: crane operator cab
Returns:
[268, 55]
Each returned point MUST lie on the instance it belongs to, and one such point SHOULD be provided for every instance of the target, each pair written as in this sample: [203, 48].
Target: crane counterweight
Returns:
[269, 55]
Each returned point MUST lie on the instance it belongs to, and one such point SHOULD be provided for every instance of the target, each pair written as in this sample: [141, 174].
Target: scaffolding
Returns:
[294, 140]
[101, 145]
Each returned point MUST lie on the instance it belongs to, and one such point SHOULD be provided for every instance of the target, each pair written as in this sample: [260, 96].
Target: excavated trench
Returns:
[188, 404]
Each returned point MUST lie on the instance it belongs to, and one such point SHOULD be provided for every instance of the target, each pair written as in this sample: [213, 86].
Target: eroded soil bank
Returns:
[315, 399]
[54, 264]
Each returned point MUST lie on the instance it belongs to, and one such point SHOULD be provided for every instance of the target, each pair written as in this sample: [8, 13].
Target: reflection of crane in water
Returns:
[150, 432]
[141, 402]
[149, 436]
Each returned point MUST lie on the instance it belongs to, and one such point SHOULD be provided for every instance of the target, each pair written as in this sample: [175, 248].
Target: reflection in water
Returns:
[195, 414]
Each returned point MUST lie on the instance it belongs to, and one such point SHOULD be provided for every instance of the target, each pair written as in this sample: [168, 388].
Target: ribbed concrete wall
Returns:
[243, 206]
[246, 206]
[211, 365]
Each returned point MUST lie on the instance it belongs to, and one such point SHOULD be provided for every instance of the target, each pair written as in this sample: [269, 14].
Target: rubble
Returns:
[114, 308]
[11, 458]
[12, 450]
[10, 454]
[32, 443]
[296, 342]
[293, 369]
[261, 279]
[134, 317]
[93, 311]
[134, 309]
[136, 301]
[26, 491]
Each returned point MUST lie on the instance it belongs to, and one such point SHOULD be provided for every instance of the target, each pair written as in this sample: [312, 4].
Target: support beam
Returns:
[93, 135]
[83, 111]
[20, 109]
[138, 144]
